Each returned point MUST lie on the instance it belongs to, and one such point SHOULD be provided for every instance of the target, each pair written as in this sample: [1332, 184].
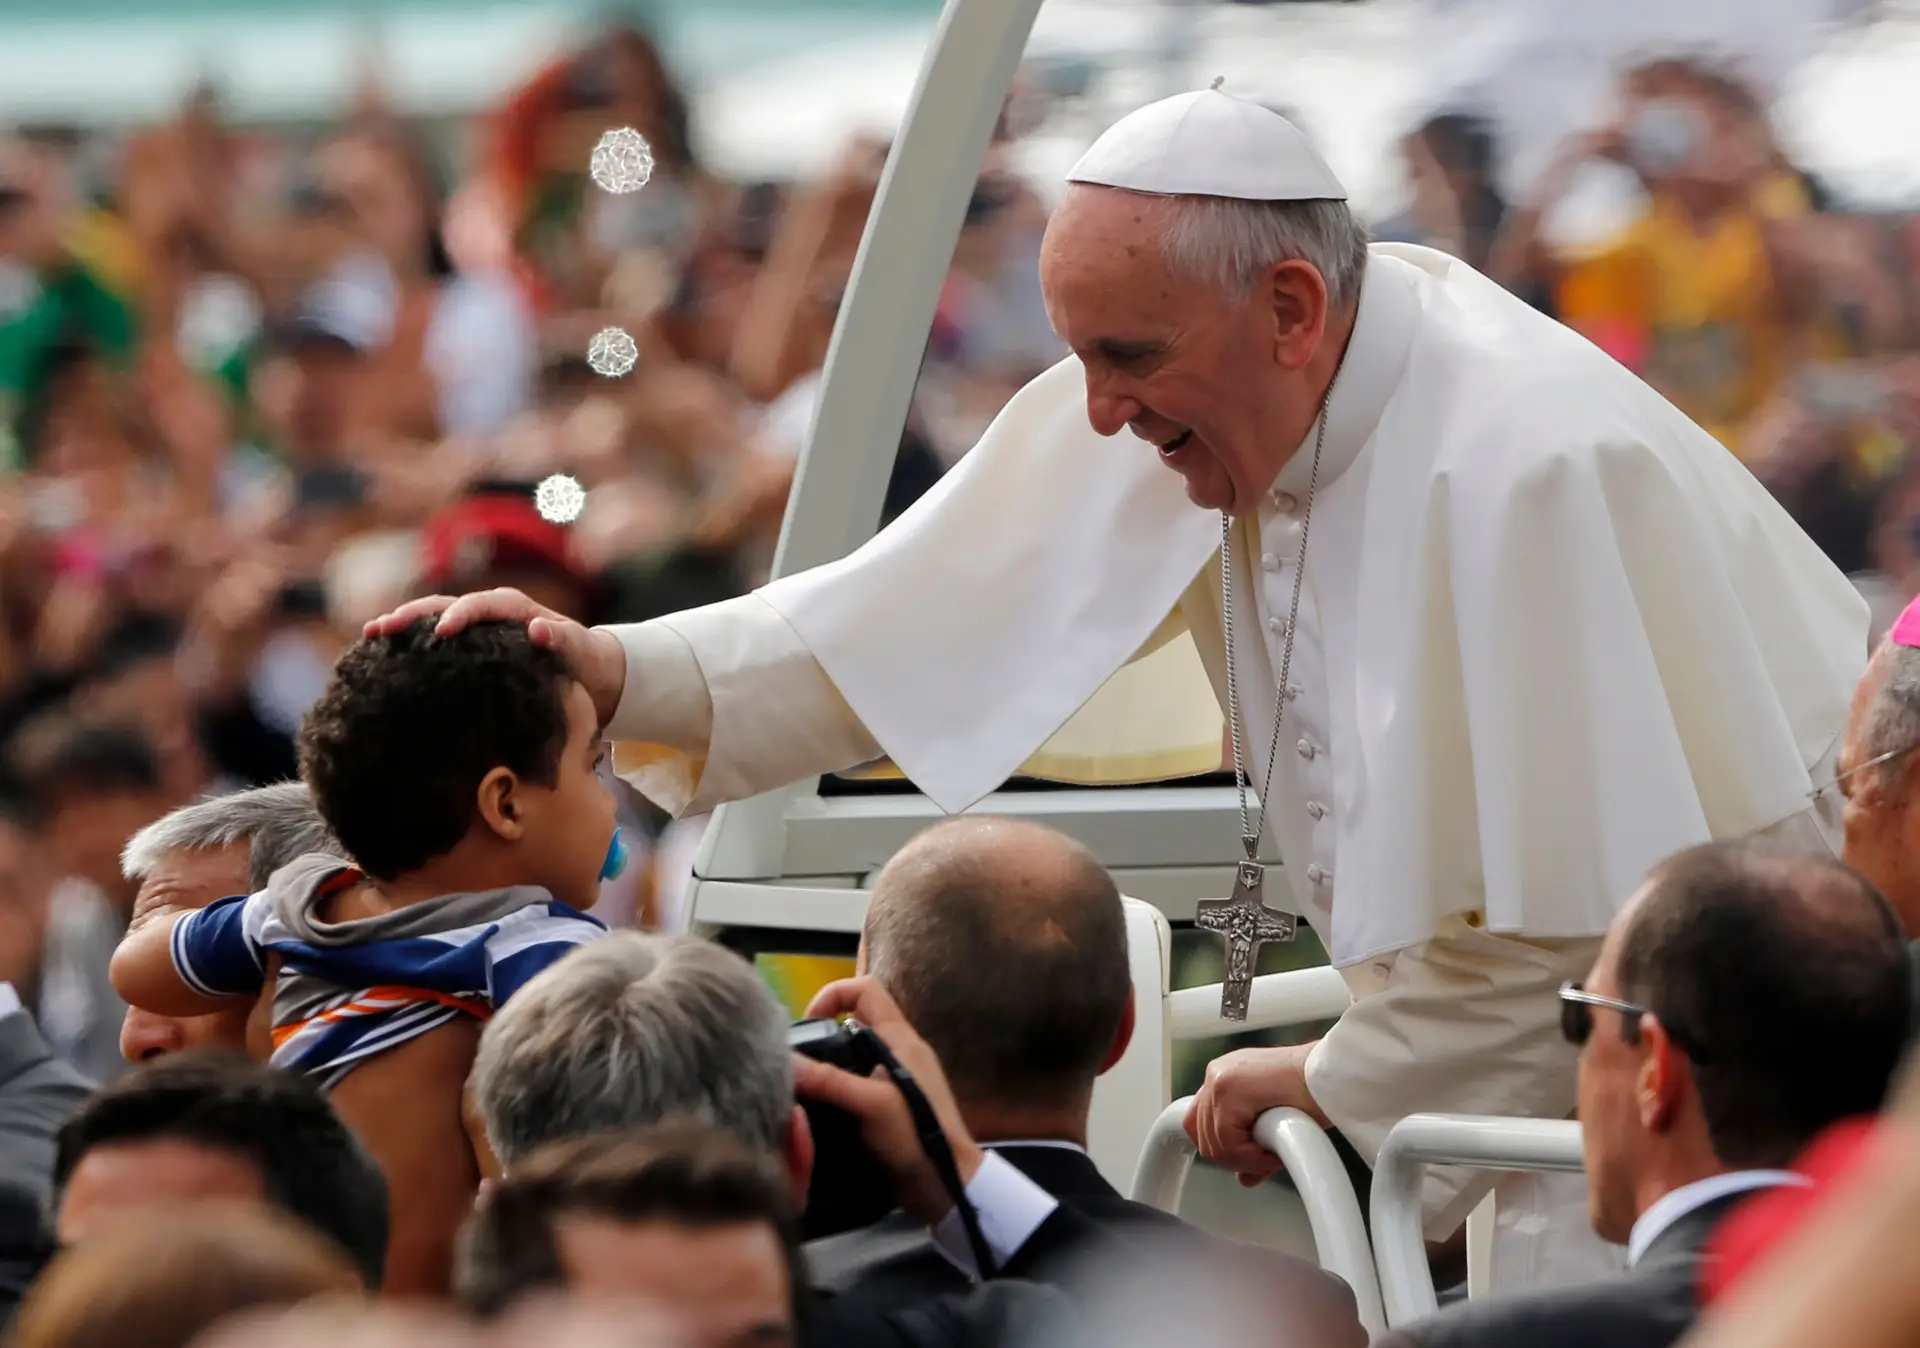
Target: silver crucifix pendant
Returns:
[1246, 923]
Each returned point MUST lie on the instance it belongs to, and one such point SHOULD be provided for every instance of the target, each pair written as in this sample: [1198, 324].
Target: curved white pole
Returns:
[881, 334]
[1339, 1234]
[1165, 1159]
[1291, 998]
[1420, 1140]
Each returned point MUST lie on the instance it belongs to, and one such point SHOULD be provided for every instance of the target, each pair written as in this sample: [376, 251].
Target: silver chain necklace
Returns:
[1244, 920]
[1250, 833]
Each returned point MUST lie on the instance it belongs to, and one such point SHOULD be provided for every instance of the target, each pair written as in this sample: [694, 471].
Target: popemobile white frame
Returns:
[797, 861]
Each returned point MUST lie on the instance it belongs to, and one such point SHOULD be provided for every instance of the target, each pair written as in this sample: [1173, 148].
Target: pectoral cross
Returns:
[1246, 924]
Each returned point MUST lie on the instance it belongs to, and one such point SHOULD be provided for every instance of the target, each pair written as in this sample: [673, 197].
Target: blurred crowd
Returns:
[255, 390]
[1777, 319]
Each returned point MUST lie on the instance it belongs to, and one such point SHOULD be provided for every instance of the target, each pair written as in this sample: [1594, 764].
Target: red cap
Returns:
[489, 532]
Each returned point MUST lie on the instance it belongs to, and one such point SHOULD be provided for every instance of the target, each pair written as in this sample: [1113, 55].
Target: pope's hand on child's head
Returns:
[596, 655]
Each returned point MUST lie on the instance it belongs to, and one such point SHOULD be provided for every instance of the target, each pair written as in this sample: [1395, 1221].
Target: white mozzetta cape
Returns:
[1580, 634]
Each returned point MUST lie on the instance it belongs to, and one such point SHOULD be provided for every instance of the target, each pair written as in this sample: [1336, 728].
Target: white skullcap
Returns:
[1209, 144]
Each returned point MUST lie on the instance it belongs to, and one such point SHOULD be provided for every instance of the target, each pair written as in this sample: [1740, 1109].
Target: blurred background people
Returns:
[210, 1129]
[160, 1282]
[694, 1226]
[37, 1092]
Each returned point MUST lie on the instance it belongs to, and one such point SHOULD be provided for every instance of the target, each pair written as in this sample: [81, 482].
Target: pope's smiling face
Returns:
[1221, 385]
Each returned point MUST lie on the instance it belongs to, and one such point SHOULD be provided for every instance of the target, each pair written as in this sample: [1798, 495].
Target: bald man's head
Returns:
[1005, 945]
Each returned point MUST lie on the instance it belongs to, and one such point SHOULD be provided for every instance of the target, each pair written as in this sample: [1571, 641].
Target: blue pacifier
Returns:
[616, 861]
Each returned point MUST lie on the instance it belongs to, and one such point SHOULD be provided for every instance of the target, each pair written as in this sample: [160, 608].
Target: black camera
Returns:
[850, 1189]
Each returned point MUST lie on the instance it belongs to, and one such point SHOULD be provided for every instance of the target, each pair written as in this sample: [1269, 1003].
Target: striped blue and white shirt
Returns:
[345, 991]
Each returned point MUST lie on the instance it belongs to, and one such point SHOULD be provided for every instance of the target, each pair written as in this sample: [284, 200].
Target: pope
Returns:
[1496, 627]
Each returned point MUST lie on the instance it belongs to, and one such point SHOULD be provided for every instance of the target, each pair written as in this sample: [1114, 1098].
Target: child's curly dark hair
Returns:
[395, 749]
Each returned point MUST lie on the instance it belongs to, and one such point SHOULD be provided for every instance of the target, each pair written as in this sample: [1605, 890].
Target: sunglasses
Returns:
[1576, 1019]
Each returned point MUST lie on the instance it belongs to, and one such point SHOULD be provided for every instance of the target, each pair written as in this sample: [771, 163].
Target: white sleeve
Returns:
[1467, 1023]
[1010, 1207]
[726, 702]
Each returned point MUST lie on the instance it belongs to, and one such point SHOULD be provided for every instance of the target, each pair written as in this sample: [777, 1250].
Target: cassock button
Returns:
[1318, 874]
[1315, 810]
[1286, 502]
[1293, 691]
[1305, 749]
[1269, 562]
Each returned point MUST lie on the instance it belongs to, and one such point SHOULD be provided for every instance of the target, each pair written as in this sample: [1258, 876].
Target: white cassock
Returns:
[1550, 632]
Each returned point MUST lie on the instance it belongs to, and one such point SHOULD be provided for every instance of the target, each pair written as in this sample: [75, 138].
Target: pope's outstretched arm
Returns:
[959, 642]
[655, 685]
[782, 717]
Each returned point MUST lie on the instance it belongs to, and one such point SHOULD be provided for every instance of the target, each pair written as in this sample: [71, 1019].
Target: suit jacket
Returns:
[37, 1092]
[1026, 1304]
[1652, 1305]
[895, 1263]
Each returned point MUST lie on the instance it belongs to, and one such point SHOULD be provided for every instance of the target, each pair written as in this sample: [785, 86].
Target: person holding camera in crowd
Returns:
[634, 1030]
[1005, 945]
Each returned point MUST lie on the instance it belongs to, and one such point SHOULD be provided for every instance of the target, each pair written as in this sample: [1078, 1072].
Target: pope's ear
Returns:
[1298, 296]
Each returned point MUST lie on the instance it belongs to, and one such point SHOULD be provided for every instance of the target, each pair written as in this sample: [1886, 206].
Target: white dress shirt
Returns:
[1010, 1207]
[1671, 1207]
[9, 1001]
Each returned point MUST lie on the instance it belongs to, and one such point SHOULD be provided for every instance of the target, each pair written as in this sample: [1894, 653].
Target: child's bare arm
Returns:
[406, 1107]
[145, 975]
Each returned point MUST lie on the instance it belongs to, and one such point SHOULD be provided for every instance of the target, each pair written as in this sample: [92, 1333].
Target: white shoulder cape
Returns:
[1584, 635]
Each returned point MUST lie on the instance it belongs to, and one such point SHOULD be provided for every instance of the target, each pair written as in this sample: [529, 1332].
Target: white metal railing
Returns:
[1339, 1233]
[1421, 1140]
[1292, 998]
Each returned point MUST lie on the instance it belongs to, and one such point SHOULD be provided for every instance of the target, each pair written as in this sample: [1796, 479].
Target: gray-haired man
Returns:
[207, 851]
[634, 1029]
[1875, 776]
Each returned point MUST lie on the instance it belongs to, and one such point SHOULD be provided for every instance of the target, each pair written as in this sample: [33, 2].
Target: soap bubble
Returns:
[612, 352]
[560, 499]
[622, 160]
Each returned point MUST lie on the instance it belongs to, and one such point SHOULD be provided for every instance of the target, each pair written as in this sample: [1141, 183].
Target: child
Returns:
[461, 773]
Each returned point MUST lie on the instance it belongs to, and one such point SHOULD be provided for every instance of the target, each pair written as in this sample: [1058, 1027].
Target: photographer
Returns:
[634, 1030]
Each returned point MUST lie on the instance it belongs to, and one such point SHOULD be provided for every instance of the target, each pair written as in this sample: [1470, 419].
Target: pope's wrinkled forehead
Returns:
[1105, 252]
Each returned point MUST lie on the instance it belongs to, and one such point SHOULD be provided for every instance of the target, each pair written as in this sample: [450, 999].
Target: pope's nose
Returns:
[1109, 413]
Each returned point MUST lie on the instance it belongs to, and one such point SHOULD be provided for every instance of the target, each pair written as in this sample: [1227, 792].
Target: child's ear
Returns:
[500, 806]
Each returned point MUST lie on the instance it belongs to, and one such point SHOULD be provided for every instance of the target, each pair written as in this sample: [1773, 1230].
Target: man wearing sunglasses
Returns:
[1742, 1001]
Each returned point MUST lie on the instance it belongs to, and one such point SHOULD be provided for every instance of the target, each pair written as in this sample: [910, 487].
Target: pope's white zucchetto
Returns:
[1209, 144]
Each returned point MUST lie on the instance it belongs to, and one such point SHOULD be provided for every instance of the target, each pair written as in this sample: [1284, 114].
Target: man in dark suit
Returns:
[635, 1030]
[1005, 945]
[37, 1093]
[1742, 1002]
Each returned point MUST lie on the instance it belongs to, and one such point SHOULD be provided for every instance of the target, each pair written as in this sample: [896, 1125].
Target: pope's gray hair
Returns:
[1891, 720]
[631, 1030]
[278, 824]
[1232, 243]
